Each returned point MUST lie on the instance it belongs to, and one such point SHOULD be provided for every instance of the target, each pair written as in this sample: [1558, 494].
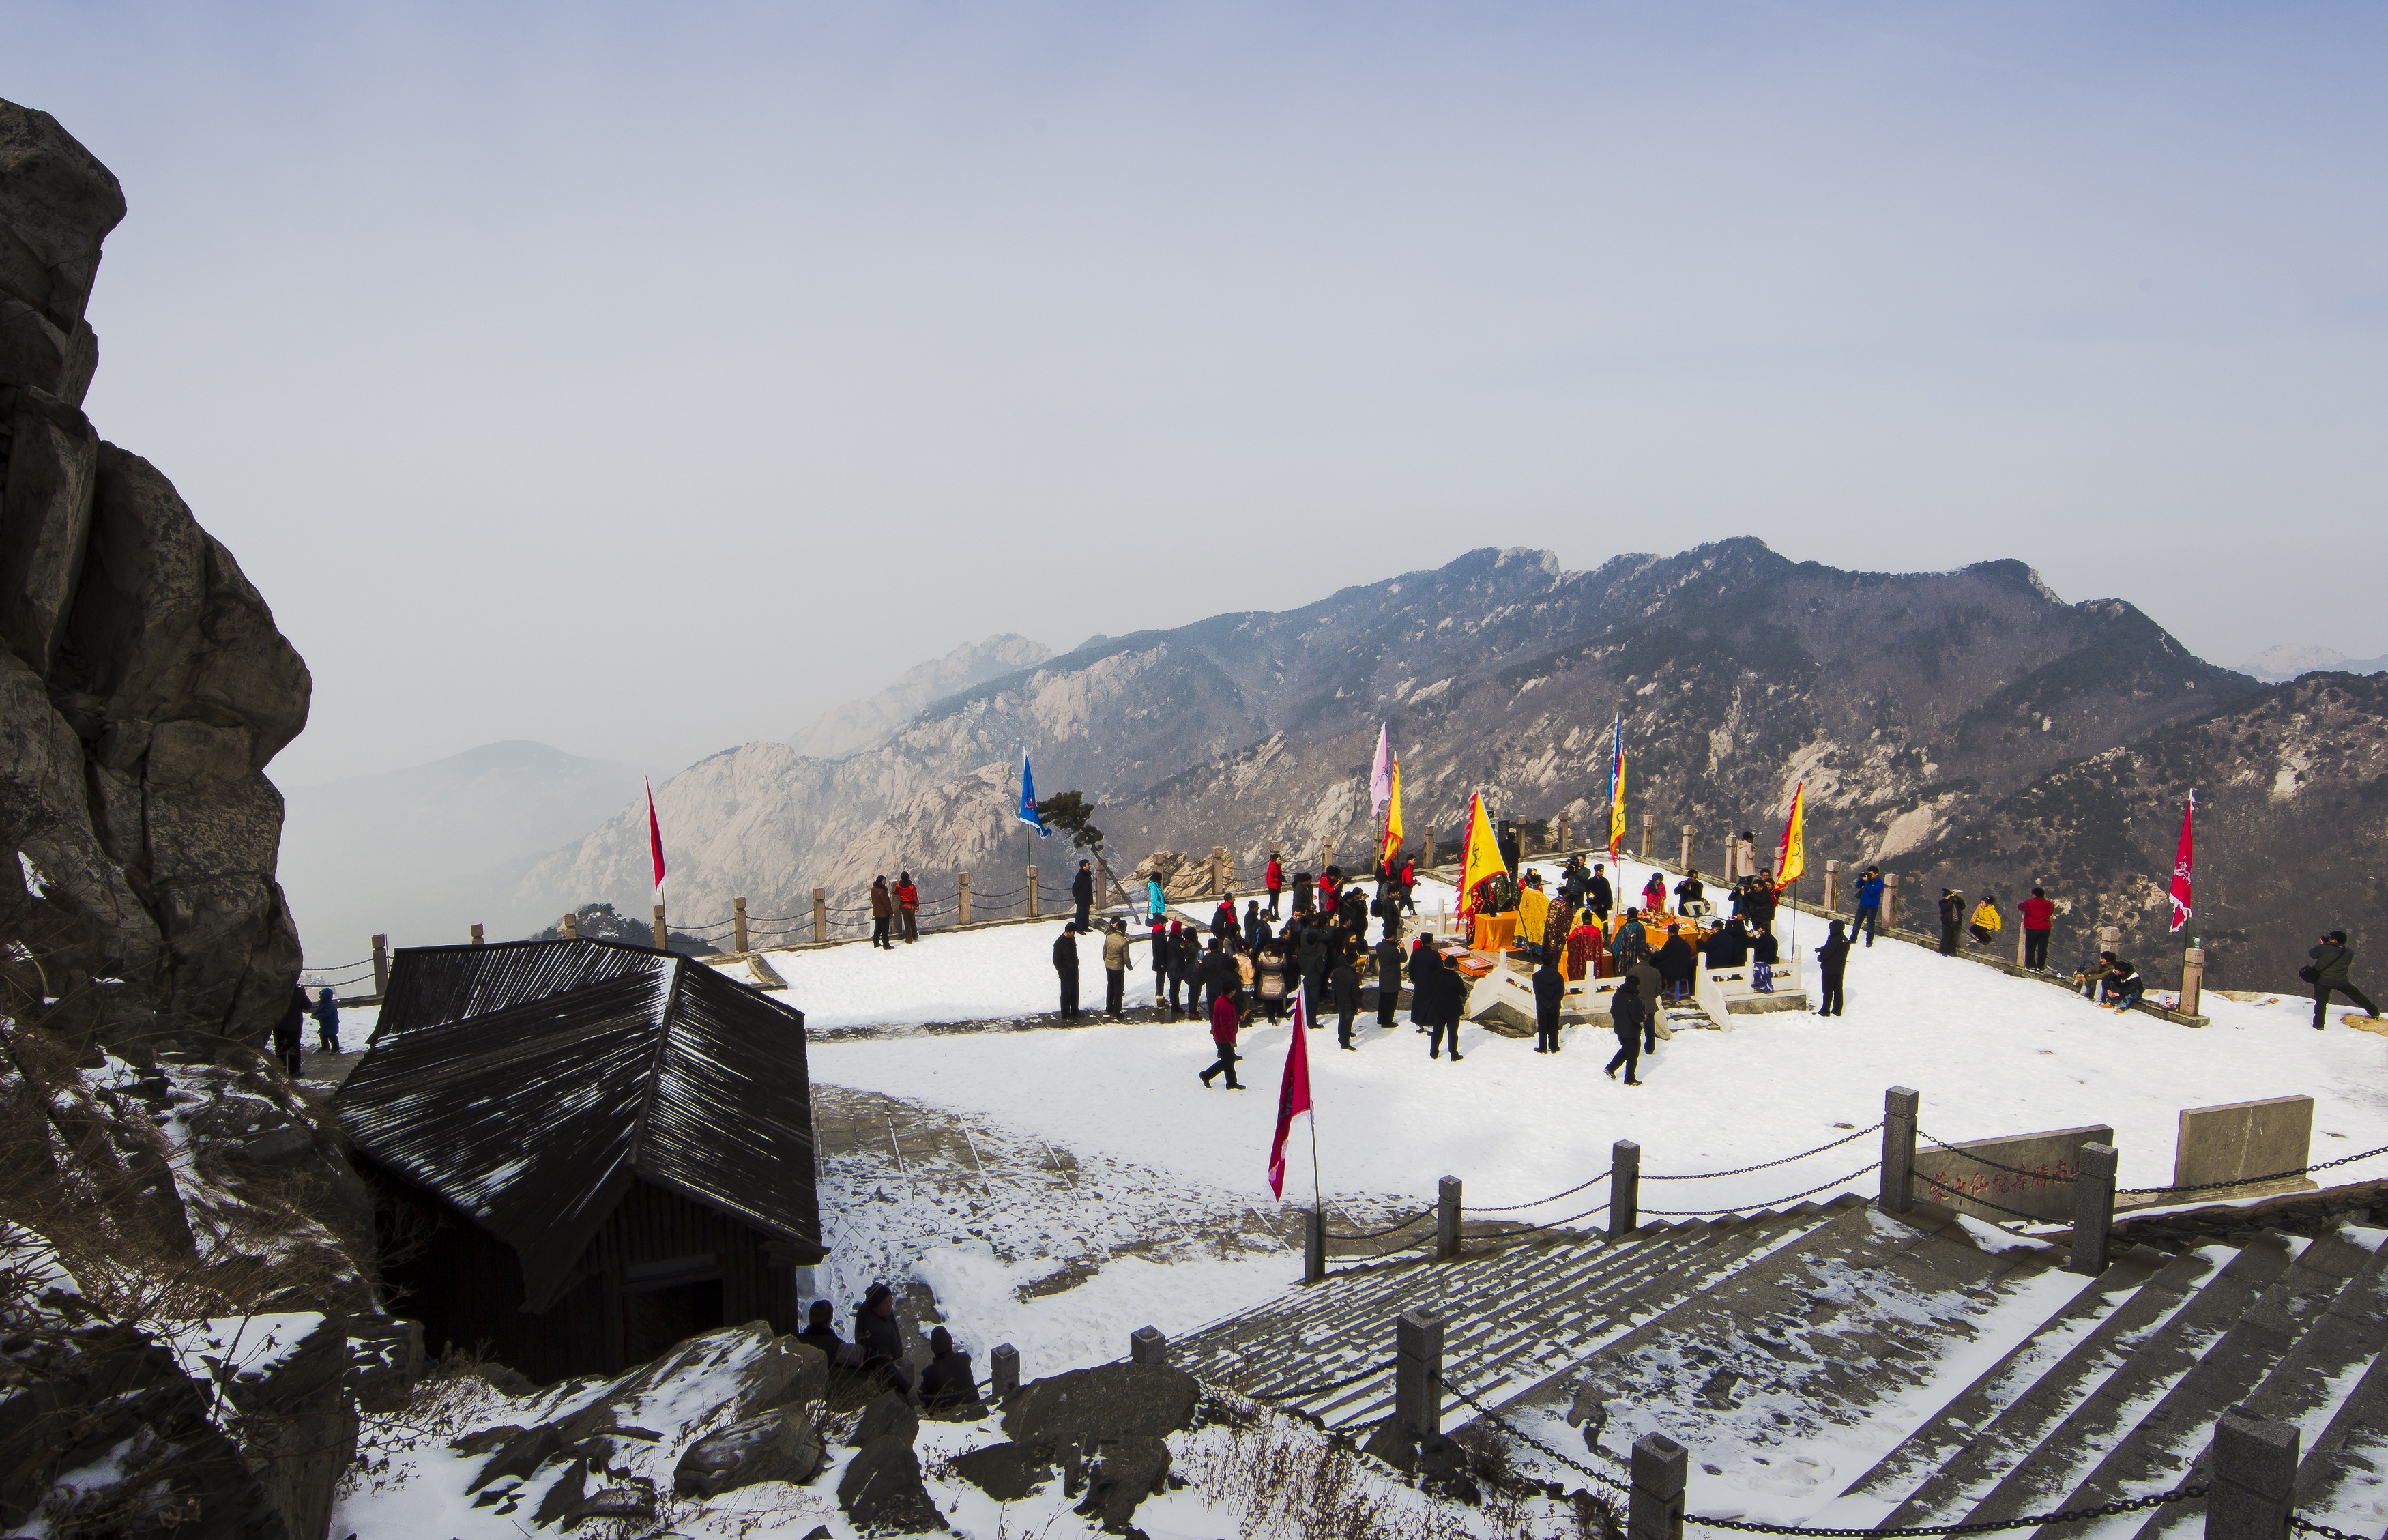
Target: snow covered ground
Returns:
[1992, 1055]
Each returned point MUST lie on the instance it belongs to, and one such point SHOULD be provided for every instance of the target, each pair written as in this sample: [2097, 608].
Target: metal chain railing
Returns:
[1766, 1165]
[1306, 1392]
[1744, 1208]
[1512, 1208]
[1938, 1186]
[1390, 1229]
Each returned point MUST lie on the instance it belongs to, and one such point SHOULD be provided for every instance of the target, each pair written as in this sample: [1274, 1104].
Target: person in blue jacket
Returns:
[1869, 904]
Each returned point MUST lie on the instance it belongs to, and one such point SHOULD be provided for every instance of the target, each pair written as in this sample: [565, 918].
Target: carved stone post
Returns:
[962, 897]
[1688, 832]
[2093, 1210]
[1832, 887]
[1650, 827]
[2193, 980]
[1890, 899]
[476, 937]
[1417, 1373]
[1899, 1112]
[1654, 1506]
[1624, 1189]
[381, 958]
[1446, 1219]
[738, 926]
[820, 912]
[1032, 890]
[661, 933]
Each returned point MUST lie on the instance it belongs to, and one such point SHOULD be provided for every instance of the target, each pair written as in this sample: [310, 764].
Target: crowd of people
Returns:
[876, 1358]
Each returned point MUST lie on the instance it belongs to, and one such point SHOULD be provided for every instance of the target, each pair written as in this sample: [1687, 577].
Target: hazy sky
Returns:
[644, 379]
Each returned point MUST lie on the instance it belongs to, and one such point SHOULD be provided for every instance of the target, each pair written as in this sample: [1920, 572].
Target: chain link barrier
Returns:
[1772, 1202]
[1389, 1230]
[1768, 1165]
[1345, 1383]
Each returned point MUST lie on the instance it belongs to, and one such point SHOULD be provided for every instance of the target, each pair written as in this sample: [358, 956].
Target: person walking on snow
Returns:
[1274, 880]
[1627, 1016]
[1986, 922]
[1452, 985]
[1550, 989]
[1389, 979]
[1066, 963]
[2039, 919]
[1115, 969]
[882, 911]
[1870, 890]
[1409, 886]
[1082, 889]
[1223, 1034]
[327, 1022]
[908, 907]
[2333, 968]
[1832, 961]
[1953, 915]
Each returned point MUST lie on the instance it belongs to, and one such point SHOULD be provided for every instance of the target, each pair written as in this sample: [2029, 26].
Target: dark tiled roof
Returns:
[531, 1111]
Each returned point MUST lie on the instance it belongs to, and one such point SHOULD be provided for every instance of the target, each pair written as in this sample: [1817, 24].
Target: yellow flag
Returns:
[1483, 851]
[1792, 858]
[1390, 846]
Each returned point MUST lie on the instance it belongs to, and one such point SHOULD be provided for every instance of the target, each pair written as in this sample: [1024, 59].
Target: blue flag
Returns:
[1028, 813]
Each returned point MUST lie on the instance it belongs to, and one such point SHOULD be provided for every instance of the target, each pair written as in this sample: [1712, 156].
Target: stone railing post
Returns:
[1326, 855]
[738, 926]
[1624, 1189]
[2193, 980]
[1565, 844]
[1417, 1373]
[381, 960]
[476, 937]
[1426, 846]
[1687, 861]
[1890, 899]
[1003, 1369]
[1032, 890]
[820, 914]
[1650, 827]
[1832, 887]
[662, 934]
[1314, 1246]
[1146, 1345]
[961, 897]
[2022, 937]
[2093, 1210]
[570, 925]
[2110, 938]
[1655, 1509]
[1446, 1219]
[1900, 1107]
[2251, 1478]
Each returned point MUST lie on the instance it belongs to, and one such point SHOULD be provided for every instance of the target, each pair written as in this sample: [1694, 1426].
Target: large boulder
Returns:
[143, 684]
[881, 1491]
[1105, 1404]
[776, 1446]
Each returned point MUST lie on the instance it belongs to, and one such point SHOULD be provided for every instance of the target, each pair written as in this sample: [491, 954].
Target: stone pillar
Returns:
[962, 896]
[820, 909]
[1687, 846]
[1003, 1369]
[1565, 844]
[1655, 1509]
[2093, 1210]
[1223, 870]
[571, 926]
[1446, 1219]
[1890, 899]
[1326, 855]
[1832, 887]
[1426, 846]
[661, 934]
[381, 958]
[1032, 890]
[1899, 1106]
[1624, 1189]
[476, 937]
[2110, 938]
[1314, 1246]
[2193, 980]
[1417, 1373]
[1649, 826]
[2020, 935]
[738, 926]
[2251, 1478]
[1146, 1345]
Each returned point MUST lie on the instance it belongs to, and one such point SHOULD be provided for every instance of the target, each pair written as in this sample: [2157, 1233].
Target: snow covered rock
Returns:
[780, 1446]
[881, 1491]
[889, 1416]
[1106, 1404]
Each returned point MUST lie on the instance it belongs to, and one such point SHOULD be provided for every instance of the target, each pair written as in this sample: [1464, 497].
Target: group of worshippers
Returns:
[1246, 965]
[876, 1357]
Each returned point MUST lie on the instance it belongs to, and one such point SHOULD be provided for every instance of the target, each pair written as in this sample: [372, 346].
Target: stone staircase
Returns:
[2116, 1396]
[1514, 1311]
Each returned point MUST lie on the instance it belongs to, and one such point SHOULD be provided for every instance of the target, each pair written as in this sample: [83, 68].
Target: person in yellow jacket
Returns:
[1985, 922]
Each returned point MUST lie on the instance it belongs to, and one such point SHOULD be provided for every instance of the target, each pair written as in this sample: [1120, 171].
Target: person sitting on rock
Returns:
[881, 1337]
[947, 1384]
[821, 1333]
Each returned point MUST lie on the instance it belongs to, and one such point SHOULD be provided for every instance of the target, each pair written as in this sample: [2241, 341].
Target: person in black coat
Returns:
[1628, 1015]
[1066, 963]
[821, 1332]
[1389, 977]
[1832, 961]
[948, 1384]
[1766, 948]
[288, 1031]
[2333, 968]
[1425, 962]
[1343, 985]
[1082, 889]
[1220, 974]
[1188, 968]
[1257, 933]
[1451, 984]
[1677, 962]
[1729, 948]
[1550, 991]
[881, 1337]
[1314, 957]
[1598, 896]
[1952, 916]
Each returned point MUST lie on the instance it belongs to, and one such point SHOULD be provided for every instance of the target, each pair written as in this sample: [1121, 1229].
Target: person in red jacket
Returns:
[908, 904]
[1275, 881]
[1223, 1033]
[2039, 919]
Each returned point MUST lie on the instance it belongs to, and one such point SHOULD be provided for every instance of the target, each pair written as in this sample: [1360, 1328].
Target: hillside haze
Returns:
[1914, 706]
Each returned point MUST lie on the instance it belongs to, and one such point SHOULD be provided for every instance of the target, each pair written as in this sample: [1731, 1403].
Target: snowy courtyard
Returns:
[1165, 1218]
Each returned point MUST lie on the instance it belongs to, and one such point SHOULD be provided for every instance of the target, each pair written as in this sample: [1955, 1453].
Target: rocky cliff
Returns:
[862, 724]
[143, 685]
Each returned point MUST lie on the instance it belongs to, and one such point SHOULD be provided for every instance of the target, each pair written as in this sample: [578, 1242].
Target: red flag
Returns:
[654, 837]
[2180, 869]
[1293, 1096]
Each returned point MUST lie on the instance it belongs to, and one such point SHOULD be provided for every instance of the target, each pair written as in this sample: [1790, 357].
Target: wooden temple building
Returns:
[587, 1150]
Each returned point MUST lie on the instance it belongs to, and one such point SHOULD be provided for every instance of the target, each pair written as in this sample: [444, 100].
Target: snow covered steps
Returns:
[2116, 1395]
[1515, 1313]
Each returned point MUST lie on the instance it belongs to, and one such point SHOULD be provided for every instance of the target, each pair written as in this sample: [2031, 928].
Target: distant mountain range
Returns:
[2290, 660]
[1923, 711]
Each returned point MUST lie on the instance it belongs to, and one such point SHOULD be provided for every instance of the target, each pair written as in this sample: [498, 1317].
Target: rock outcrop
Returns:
[143, 685]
